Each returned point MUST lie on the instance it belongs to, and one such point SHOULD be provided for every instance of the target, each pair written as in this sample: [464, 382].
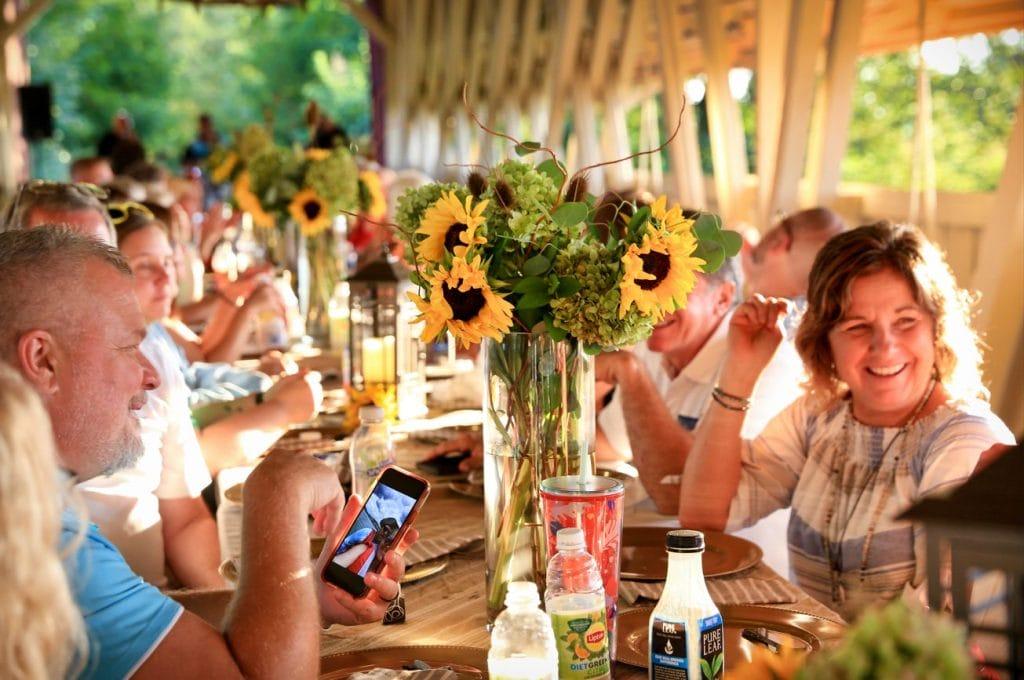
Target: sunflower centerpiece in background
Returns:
[526, 260]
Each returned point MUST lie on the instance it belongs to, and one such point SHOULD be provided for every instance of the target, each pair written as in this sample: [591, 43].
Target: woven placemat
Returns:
[740, 589]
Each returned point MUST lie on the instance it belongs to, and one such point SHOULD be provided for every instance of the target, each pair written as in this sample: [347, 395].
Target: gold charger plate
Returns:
[469, 662]
[801, 631]
[420, 571]
[644, 557]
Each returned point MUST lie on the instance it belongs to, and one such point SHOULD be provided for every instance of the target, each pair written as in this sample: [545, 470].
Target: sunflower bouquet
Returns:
[524, 258]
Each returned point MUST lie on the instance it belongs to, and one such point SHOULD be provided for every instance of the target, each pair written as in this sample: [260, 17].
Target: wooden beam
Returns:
[634, 41]
[399, 119]
[434, 69]
[23, 20]
[609, 24]
[523, 86]
[500, 45]
[565, 41]
[772, 37]
[615, 144]
[455, 49]
[728, 144]
[683, 150]
[1000, 279]
[374, 25]
[589, 145]
[804, 40]
[831, 127]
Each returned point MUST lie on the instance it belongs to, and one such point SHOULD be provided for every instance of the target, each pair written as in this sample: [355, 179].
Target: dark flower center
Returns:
[311, 209]
[451, 237]
[465, 304]
[657, 265]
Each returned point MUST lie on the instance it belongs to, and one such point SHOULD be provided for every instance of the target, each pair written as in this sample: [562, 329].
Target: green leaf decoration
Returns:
[639, 221]
[531, 317]
[551, 168]
[705, 669]
[417, 279]
[567, 285]
[731, 241]
[712, 253]
[533, 300]
[570, 214]
[557, 334]
[526, 148]
[592, 350]
[707, 227]
[716, 667]
[531, 284]
[536, 265]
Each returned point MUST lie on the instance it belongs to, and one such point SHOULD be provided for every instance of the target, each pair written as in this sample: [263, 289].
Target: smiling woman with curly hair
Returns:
[896, 411]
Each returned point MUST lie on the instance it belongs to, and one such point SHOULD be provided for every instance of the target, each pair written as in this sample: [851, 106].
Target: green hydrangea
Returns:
[336, 180]
[414, 202]
[897, 641]
[535, 194]
[592, 314]
[252, 140]
[274, 176]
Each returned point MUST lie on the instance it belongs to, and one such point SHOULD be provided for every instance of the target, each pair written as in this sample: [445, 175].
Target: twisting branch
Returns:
[476, 119]
[679, 124]
[466, 165]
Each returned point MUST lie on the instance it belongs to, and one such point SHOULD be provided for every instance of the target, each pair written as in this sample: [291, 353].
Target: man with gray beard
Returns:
[71, 325]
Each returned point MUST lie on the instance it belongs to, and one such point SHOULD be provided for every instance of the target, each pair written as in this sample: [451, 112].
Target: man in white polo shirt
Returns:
[663, 387]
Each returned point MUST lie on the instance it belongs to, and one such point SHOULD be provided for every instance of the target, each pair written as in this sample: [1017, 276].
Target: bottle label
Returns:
[669, 654]
[668, 649]
[582, 644]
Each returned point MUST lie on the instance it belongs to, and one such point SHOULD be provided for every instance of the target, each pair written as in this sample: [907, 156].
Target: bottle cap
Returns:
[684, 541]
[522, 593]
[569, 538]
[371, 414]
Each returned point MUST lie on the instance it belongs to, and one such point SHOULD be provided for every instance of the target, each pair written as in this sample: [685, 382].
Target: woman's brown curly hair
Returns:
[905, 250]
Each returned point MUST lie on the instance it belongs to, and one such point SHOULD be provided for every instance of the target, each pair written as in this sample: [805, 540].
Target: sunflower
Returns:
[462, 301]
[310, 211]
[377, 207]
[659, 273]
[669, 218]
[318, 154]
[248, 202]
[222, 173]
[450, 227]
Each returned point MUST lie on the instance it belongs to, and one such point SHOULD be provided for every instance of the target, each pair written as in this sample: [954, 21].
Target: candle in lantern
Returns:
[379, 360]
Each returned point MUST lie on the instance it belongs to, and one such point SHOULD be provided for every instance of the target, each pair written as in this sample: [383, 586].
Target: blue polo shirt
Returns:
[125, 617]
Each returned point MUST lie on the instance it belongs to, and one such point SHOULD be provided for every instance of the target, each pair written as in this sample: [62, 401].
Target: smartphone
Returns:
[444, 464]
[389, 510]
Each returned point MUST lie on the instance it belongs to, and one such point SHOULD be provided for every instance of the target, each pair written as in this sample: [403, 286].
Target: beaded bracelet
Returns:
[730, 401]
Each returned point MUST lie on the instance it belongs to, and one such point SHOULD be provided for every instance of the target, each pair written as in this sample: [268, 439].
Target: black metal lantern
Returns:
[384, 343]
[976, 536]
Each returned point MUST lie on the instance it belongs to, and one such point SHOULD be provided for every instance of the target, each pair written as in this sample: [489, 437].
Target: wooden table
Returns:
[450, 608]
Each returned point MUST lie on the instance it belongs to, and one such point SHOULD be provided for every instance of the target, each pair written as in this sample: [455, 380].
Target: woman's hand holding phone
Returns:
[340, 606]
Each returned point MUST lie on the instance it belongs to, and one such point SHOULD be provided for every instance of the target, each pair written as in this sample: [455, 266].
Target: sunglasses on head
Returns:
[119, 212]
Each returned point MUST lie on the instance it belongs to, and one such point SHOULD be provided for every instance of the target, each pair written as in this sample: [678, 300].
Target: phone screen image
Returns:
[376, 530]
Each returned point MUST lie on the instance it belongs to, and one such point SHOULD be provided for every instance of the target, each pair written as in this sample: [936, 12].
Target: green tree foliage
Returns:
[166, 62]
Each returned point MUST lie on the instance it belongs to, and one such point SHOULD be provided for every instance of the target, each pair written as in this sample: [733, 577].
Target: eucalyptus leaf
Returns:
[570, 214]
[731, 241]
[707, 227]
[713, 255]
[533, 300]
[531, 284]
[536, 265]
[557, 334]
[568, 285]
[592, 350]
[552, 170]
[526, 148]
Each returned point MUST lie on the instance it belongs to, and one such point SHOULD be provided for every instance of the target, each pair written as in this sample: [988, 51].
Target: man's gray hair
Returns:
[54, 197]
[729, 272]
[40, 272]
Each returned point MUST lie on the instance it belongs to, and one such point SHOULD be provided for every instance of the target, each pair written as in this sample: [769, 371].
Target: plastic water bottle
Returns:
[371, 450]
[522, 644]
[575, 602]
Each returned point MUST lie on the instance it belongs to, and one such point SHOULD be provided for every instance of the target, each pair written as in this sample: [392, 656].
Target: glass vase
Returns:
[538, 423]
[318, 273]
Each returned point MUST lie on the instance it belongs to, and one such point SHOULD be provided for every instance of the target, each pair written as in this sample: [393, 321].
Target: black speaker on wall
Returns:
[36, 103]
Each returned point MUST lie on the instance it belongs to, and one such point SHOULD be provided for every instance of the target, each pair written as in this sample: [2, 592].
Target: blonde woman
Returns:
[896, 411]
[41, 630]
